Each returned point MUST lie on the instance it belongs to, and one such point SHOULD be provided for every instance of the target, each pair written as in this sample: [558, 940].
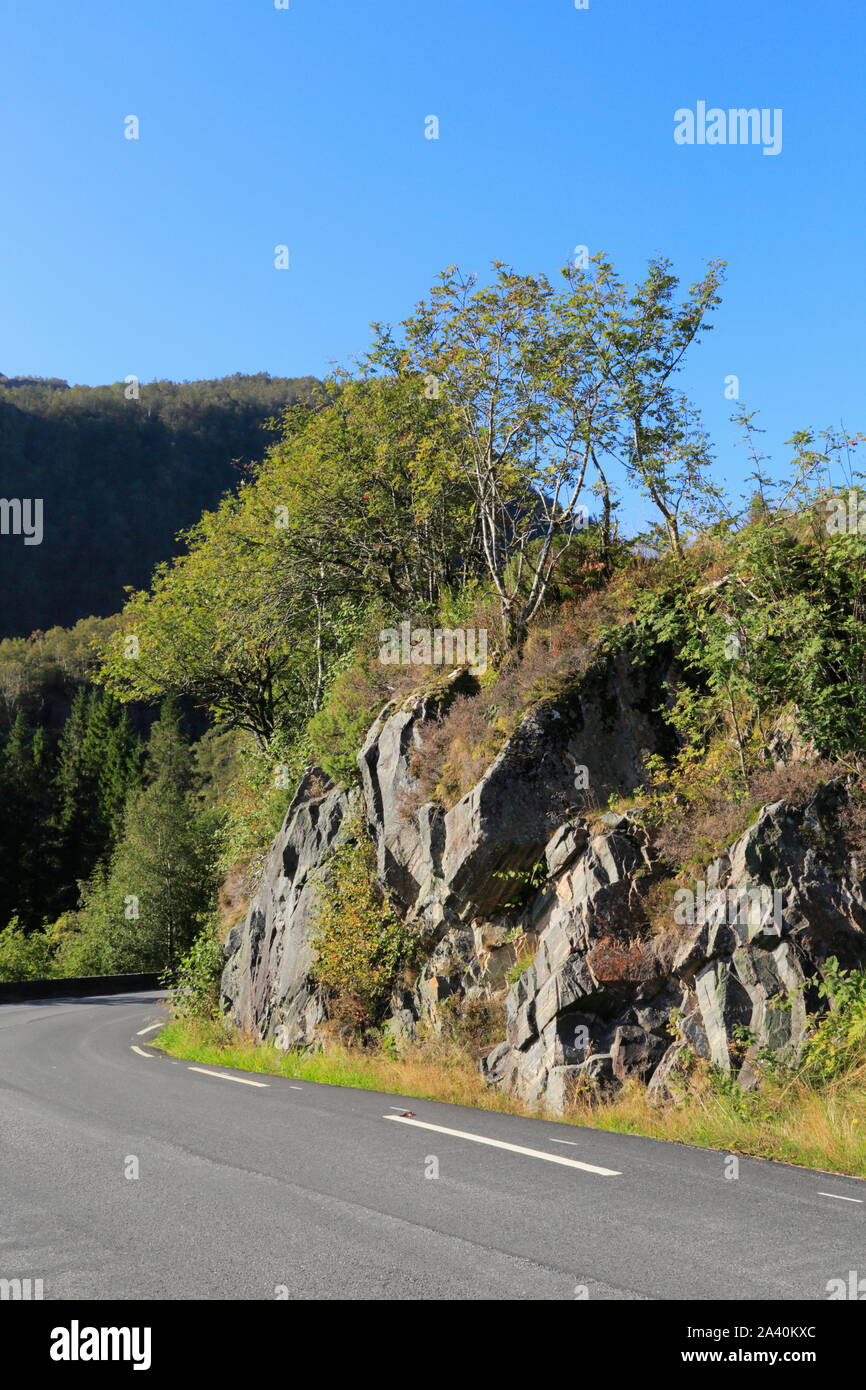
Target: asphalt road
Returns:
[249, 1192]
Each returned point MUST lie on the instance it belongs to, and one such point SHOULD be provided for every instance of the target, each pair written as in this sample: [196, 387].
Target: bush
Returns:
[838, 1042]
[360, 942]
[194, 987]
[23, 955]
[252, 804]
[337, 731]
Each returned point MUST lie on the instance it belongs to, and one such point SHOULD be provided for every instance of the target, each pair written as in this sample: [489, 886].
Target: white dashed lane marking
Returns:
[224, 1076]
[512, 1148]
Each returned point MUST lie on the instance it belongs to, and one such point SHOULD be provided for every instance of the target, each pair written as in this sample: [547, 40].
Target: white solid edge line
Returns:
[513, 1148]
[224, 1076]
[148, 1055]
[141, 1032]
[837, 1198]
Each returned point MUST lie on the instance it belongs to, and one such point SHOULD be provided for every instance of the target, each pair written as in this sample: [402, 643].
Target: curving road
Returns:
[306, 1191]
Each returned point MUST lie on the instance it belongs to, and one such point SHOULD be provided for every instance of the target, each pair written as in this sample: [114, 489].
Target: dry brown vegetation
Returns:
[692, 829]
[455, 751]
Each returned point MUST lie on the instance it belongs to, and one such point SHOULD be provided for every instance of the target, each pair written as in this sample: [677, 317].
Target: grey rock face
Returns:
[266, 986]
[598, 999]
[588, 742]
[593, 737]
[406, 844]
[601, 999]
[586, 1002]
[782, 900]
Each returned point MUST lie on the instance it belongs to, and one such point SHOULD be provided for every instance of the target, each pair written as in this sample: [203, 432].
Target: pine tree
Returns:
[99, 764]
[146, 910]
[26, 867]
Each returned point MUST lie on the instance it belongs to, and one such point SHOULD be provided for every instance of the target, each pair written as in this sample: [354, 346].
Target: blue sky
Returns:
[305, 127]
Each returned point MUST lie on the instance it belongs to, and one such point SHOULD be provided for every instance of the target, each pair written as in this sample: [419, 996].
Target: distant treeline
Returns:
[119, 478]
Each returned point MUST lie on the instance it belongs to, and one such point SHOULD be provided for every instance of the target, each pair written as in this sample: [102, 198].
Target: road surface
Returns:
[292, 1189]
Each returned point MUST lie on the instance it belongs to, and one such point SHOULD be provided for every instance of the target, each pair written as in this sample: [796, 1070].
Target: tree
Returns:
[357, 503]
[99, 763]
[526, 408]
[638, 339]
[206, 630]
[26, 877]
[145, 907]
[162, 861]
[23, 955]
[369, 494]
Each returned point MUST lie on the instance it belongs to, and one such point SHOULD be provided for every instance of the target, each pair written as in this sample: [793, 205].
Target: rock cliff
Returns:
[526, 897]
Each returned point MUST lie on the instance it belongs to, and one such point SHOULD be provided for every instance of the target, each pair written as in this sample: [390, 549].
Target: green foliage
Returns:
[252, 802]
[195, 982]
[144, 907]
[98, 766]
[547, 385]
[23, 955]
[838, 1041]
[370, 492]
[779, 628]
[207, 631]
[520, 967]
[25, 806]
[524, 883]
[360, 942]
[40, 674]
[337, 730]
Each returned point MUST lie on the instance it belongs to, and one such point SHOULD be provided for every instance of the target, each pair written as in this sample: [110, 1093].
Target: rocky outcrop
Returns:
[267, 989]
[595, 1002]
[782, 900]
[406, 844]
[603, 1003]
[446, 867]
[529, 901]
[449, 872]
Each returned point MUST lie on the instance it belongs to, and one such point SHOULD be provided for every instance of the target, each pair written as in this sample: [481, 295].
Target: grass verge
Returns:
[790, 1120]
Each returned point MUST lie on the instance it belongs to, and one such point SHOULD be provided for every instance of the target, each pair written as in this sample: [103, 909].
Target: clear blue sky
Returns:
[306, 127]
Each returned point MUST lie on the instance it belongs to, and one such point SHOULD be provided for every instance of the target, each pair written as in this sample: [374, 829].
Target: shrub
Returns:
[252, 806]
[838, 1042]
[337, 731]
[475, 1025]
[24, 955]
[359, 941]
[195, 985]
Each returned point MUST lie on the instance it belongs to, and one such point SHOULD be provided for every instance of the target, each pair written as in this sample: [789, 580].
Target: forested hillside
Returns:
[120, 469]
